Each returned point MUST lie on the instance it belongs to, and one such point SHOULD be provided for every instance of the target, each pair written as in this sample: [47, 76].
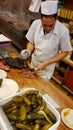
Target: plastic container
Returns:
[4, 122]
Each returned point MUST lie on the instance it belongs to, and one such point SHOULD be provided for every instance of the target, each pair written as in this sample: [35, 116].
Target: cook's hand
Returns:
[25, 54]
[40, 66]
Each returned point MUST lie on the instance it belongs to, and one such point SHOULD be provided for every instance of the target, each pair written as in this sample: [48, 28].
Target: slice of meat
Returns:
[4, 67]
[16, 62]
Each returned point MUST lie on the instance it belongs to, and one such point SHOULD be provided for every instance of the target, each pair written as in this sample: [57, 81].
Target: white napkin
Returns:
[49, 99]
[3, 38]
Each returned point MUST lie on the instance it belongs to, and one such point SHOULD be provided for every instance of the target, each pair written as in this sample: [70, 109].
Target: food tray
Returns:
[4, 122]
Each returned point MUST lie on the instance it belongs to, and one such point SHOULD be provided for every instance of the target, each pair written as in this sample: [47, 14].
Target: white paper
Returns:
[3, 38]
[49, 99]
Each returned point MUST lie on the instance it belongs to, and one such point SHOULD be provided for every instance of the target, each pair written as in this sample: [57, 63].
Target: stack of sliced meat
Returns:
[29, 73]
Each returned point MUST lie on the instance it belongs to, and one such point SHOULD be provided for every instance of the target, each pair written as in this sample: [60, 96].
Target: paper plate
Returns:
[3, 74]
[67, 117]
[8, 88]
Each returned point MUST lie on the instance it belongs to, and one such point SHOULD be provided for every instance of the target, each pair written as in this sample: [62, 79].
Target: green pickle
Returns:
[46, 127]
[10, 109]
[32, 92]
[27, 101]
[22, 126]
[36, 127]
[50, 114]
[18, 99]
[12, 117]
[23, 113]
[7, 105]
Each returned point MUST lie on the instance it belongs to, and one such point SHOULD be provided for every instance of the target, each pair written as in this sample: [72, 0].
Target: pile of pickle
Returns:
[29, 112]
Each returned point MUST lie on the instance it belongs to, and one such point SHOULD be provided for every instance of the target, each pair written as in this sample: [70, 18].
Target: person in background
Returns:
[49, 39]
[35, 6]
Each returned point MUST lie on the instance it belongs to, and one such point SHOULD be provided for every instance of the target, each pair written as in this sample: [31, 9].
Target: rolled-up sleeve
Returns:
[32, 30]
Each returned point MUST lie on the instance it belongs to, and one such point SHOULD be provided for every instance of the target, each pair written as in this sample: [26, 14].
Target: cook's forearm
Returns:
[30, 47]
[57, 58]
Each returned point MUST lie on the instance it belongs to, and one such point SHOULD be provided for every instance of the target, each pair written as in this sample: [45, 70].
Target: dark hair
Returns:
[49, 16]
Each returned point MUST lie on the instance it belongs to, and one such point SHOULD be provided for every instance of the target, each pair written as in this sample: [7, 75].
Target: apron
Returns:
[43, 51]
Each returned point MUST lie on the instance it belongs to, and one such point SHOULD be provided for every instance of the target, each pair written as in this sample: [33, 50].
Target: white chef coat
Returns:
[47, 46]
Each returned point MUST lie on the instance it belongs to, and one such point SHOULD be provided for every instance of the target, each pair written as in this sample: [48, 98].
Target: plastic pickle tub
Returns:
[6, 125]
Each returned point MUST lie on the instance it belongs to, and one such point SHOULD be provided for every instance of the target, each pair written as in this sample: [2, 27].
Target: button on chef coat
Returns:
[47, 46]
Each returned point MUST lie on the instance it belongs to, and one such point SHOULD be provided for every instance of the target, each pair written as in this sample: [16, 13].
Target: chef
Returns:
[49, 41]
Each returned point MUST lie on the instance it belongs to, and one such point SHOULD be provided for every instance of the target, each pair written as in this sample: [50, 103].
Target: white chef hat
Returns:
[49, 7]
